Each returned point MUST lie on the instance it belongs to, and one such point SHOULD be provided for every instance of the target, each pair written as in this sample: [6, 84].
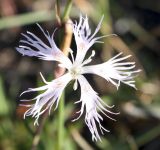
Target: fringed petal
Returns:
[92, 103]
[34, 46]
[83, 37]
[115, 70]
[45, 101]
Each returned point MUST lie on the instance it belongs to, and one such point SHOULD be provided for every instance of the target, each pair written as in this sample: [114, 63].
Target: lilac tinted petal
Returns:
[34, 46]
[84, 39]
[115, 70]
[50, 96]
[91, 102]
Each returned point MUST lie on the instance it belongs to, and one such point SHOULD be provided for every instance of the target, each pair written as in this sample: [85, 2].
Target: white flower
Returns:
[115, 70]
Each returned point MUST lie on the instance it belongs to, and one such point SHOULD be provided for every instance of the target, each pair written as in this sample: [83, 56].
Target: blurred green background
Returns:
[136, 22]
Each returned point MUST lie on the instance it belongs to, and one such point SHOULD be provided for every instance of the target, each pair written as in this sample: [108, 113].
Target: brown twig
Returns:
[65, 45]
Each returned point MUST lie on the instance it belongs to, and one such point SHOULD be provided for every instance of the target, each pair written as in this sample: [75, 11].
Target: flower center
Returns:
[75, 71]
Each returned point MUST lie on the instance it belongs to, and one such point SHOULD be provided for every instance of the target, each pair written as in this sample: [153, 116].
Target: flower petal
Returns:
[34, 46]
[115, 70]
[91, 102]
[45, 101]
[84, 39]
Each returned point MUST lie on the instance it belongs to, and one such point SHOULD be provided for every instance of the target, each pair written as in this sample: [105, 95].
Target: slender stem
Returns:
[61, 122]
[58, 72]
[67, 10]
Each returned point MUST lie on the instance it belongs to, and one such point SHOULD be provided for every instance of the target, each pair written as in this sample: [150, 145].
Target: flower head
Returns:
[116, 70]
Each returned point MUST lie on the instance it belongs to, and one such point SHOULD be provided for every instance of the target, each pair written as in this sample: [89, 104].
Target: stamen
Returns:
[88, 60]
[71, 52]
[75, 86]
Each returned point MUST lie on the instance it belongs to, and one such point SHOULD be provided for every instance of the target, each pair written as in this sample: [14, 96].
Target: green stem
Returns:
[67, 10]
[61, 122]
[61, 119]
